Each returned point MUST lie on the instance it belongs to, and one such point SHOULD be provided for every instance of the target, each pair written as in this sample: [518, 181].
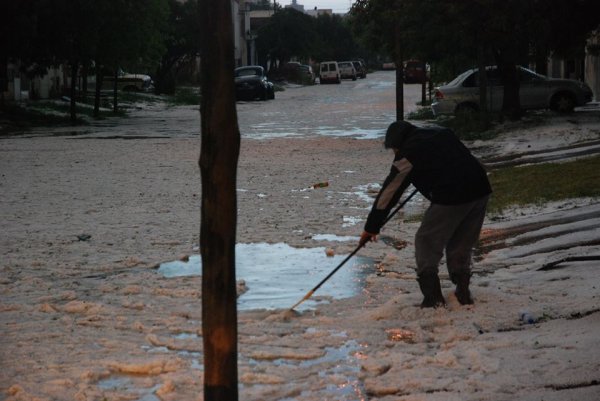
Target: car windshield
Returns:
[247, 72]
[526, 75]
[459, 78]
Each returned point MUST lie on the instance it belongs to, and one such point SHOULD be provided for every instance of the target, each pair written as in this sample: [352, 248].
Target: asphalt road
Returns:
[361, 108]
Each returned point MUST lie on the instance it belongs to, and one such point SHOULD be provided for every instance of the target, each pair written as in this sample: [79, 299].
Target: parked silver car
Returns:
[536, 92]
[347, 70]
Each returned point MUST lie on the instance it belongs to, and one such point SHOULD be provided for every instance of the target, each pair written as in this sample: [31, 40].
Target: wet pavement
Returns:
[361, 109]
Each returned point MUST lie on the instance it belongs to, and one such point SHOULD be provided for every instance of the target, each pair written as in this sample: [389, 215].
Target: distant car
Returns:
[306, 73]
[251, 83]
[329, 71]
[415, 71]
[536, 92]
[361, 69]
[127, 81]
[388, 66]
[347, 70]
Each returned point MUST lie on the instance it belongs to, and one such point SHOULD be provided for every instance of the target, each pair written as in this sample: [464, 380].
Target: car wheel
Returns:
[272, 93]
[562, 103]
[354, 77]
[466, 109]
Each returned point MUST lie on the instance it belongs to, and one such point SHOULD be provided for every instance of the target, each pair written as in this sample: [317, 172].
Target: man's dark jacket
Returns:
[437, 163]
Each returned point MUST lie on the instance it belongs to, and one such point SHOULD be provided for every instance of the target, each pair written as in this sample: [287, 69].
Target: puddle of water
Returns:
[355, 132]
[184, 336]
[333, 237]
[126, 384]
[278, 275]
[342, 362]
[350, 221]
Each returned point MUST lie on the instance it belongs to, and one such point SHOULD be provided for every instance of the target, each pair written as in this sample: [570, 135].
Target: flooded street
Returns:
[100, 293]
[361, 108]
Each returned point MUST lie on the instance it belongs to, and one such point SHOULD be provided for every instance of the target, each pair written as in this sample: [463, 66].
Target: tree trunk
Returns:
[97, 91]
[218, 165]
[483, 81]
[511, 102]
[115, 89]
[3, 77]
[73, 92]
[399, 76]
[424, 89]
[84, 80]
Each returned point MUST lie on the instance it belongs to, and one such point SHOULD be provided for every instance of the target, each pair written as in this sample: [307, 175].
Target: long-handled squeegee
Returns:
[360, 245]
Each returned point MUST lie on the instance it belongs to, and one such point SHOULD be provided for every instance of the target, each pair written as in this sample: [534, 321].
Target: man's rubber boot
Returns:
[462, 292]
[432, 291]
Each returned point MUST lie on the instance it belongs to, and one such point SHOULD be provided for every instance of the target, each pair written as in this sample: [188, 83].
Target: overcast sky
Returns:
[338, 6]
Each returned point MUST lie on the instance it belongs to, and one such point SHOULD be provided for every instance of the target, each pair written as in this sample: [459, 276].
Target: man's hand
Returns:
[366, 237]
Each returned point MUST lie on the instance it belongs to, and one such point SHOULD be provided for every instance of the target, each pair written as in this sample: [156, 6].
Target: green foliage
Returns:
[335, 39]
[422, 113]
[287, 33]
[185, 96]
[544, 183]
[291, 34]
[470, 126]
[455, 36]
[181, 41]
[22, 117]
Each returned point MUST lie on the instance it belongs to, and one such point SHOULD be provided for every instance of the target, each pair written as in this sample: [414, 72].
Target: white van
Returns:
[329, 72]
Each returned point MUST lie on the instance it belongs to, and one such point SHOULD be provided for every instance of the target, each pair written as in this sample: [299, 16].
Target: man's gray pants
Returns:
[453, 228]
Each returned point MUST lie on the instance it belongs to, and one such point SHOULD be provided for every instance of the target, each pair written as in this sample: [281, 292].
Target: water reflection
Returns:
[278, 275]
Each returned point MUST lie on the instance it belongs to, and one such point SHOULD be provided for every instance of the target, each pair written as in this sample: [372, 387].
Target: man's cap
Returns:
[396, 134]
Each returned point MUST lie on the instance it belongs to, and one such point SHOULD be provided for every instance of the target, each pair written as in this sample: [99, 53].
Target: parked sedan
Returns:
[127, 81]
[252, 83]
[307, 74]
[347, 70]
[415, 71]
[361, 69]
[536, 92]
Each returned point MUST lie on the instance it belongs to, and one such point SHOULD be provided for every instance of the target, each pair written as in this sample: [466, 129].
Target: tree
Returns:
[66, 32]
[182, 42]
[126, 42]
[17, 36]
[384, 21]
[460, 34]
[335, 40]
[218, 165]
[288, 33]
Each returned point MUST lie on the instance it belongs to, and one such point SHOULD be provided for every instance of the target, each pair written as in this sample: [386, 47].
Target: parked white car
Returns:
[536, 92]
[128, 82]
[347, 70]
[329, 71]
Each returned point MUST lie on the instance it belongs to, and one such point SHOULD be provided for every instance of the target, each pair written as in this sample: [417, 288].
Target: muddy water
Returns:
[278, 275]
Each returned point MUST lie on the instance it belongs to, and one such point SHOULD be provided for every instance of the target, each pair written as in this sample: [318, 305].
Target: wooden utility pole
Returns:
[399, 75]
[218, 165]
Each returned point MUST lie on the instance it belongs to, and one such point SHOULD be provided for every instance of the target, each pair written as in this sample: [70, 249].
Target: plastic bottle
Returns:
[527, 317]
[321, 185]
